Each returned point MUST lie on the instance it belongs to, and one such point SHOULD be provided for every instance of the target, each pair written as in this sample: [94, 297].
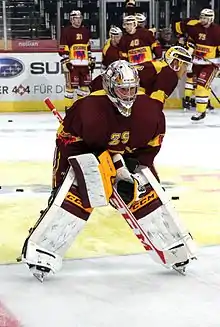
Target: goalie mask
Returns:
[177, 56]
[121, 81]
[207, 17]
[76, 18]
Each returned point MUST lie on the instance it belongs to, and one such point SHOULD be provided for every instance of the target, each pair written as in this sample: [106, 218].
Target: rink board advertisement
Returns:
[28, 78]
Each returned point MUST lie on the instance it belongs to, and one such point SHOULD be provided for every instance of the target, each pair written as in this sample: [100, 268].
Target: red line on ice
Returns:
[7, 319]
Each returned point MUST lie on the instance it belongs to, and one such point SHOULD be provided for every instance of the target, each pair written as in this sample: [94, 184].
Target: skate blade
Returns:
[197, 122]
[39, 277]
[181, 271]
[38, 274]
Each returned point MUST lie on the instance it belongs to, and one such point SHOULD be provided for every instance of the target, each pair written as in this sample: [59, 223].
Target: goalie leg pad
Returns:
[159, 220]
[61, 222]
[94, 178]
[57, 228]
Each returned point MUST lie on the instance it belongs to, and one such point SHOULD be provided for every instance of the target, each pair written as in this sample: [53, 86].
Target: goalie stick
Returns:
[52, 108]
[133, 223]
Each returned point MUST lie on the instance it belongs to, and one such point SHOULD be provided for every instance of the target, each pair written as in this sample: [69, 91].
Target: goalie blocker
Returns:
[87, 185]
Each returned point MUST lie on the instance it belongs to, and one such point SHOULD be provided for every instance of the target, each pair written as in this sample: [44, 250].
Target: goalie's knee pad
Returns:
[88, 184]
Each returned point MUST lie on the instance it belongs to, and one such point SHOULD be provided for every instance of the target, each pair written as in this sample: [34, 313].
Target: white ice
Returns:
[131, 290]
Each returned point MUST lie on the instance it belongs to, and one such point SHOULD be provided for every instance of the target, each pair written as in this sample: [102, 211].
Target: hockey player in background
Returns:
[110, 51]
[155, 74]
[76, 58]
[98, 153]
[204, 43]
[130, 7]
[166, 38]
[138, 45]
[141, 20]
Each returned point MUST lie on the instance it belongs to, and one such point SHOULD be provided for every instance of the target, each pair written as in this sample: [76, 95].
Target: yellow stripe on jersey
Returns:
[63, 48]
[193, 22]
[178, 28]
[158, 65]
[154, 45]
[157, 141]
[98, 93]
[141, 89]
[159, 95]
[67, 138]
[106, 47]
[102, 92]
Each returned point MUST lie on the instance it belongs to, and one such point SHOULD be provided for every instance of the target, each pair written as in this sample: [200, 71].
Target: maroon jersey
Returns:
[206, 40]
[137, 48]
[110, 53]
[154, 77]
[94, 125]
[74, 42]
[96, 84]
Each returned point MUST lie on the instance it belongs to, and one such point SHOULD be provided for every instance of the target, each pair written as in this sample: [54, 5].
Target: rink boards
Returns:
[28, 78]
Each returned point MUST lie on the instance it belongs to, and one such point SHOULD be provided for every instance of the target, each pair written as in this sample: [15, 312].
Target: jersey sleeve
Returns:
[105, 53]
[63, 46]
[123, 53]
[77, 135]
[165, 83]
[147, 154]
[154, 44]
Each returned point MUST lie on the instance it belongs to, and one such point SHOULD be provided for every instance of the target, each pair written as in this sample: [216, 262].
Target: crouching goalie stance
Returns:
[108, 157]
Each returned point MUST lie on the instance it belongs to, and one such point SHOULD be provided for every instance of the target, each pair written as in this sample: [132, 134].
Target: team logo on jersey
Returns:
[79, 52]
[10, 67]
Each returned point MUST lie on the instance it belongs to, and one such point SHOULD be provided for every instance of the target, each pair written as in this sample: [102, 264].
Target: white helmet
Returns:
[76, 13]
[140, 18]
[121, 81]
[176, 56]
[114, 30]
[207, 16]
[131, 19]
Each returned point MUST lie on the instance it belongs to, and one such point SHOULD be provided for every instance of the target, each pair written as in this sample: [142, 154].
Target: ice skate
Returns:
[186, 104]
[193, 102]
[210, 107]
[198, 116]
[181, 267]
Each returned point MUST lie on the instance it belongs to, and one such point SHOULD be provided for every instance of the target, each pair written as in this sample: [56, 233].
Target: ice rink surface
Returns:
[116, 291]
